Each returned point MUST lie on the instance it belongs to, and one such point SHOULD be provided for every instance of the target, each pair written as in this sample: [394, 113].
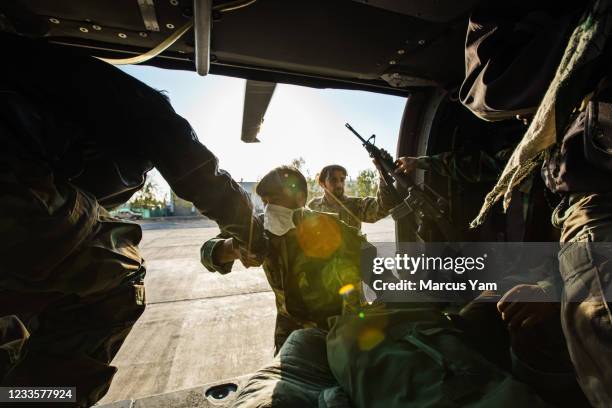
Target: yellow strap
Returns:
[163, 46]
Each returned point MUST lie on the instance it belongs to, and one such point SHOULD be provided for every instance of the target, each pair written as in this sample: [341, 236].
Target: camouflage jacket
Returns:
[355, 210]
[305, 268]
[102, 130]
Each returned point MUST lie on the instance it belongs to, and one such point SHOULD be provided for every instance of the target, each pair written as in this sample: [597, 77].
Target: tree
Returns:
[366, 183]
[313, 185]
[298, 163]
[314, 189]
[146, 197]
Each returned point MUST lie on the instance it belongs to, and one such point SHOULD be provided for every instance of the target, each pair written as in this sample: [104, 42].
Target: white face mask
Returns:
[278, 220]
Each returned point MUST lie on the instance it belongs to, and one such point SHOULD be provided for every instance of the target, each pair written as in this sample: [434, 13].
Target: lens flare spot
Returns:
[346, 289]
[361, 315]
[319, 236]
[370, 338]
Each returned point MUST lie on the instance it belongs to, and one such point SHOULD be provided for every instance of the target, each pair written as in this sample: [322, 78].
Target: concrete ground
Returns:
[199, 327]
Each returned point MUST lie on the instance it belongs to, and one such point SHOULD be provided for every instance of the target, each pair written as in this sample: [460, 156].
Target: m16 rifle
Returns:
[422, 203]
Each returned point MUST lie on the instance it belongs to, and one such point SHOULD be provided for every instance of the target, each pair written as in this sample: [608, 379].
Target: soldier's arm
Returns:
[368, 209]
[386, 197]
[472, 167]
[194, 175]
[135, 124]
[218, 254]
[372, 209]
[151, 130]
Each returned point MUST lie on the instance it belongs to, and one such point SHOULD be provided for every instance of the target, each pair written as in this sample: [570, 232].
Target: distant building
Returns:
[183, 208]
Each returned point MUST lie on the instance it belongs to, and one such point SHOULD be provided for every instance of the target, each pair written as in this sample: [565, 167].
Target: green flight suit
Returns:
[306, 269]
[298, 376]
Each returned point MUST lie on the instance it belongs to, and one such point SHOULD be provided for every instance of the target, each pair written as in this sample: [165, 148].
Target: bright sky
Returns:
[300, 122]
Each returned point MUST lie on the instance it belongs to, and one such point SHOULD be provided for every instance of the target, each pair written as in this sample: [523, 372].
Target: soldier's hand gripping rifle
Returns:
[424, 204]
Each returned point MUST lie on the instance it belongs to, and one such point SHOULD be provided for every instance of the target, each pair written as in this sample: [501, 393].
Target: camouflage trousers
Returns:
[71, 284]
[283, 329]
[585, 263]
[298, 376]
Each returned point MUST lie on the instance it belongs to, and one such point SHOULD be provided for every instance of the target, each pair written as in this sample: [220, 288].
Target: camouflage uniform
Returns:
[531, 354]
[585, 220]
[298, 376]
[355, 210]
[78, 138]
[570, 46]
[305, 268]
[467, 168]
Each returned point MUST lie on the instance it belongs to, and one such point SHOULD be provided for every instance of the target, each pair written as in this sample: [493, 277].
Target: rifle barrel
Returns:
[349, 127]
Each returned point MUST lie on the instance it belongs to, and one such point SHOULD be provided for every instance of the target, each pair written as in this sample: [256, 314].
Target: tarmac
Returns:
[199, 327]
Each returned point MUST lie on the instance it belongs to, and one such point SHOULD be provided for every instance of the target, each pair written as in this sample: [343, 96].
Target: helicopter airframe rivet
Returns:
[121, 35]
[421, 42]
[170, 26]
[174, 2]
[143, 34]
[96, 27]
[392, 62]
[401, 52]
[83, 30]
[54, 20]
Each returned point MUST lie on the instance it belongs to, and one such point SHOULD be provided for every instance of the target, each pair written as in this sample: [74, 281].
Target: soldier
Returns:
[466, 167]
[312, 255]
[522, 316]
[78, 138]
[418, 344]
[351, 210]
[572, 100]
